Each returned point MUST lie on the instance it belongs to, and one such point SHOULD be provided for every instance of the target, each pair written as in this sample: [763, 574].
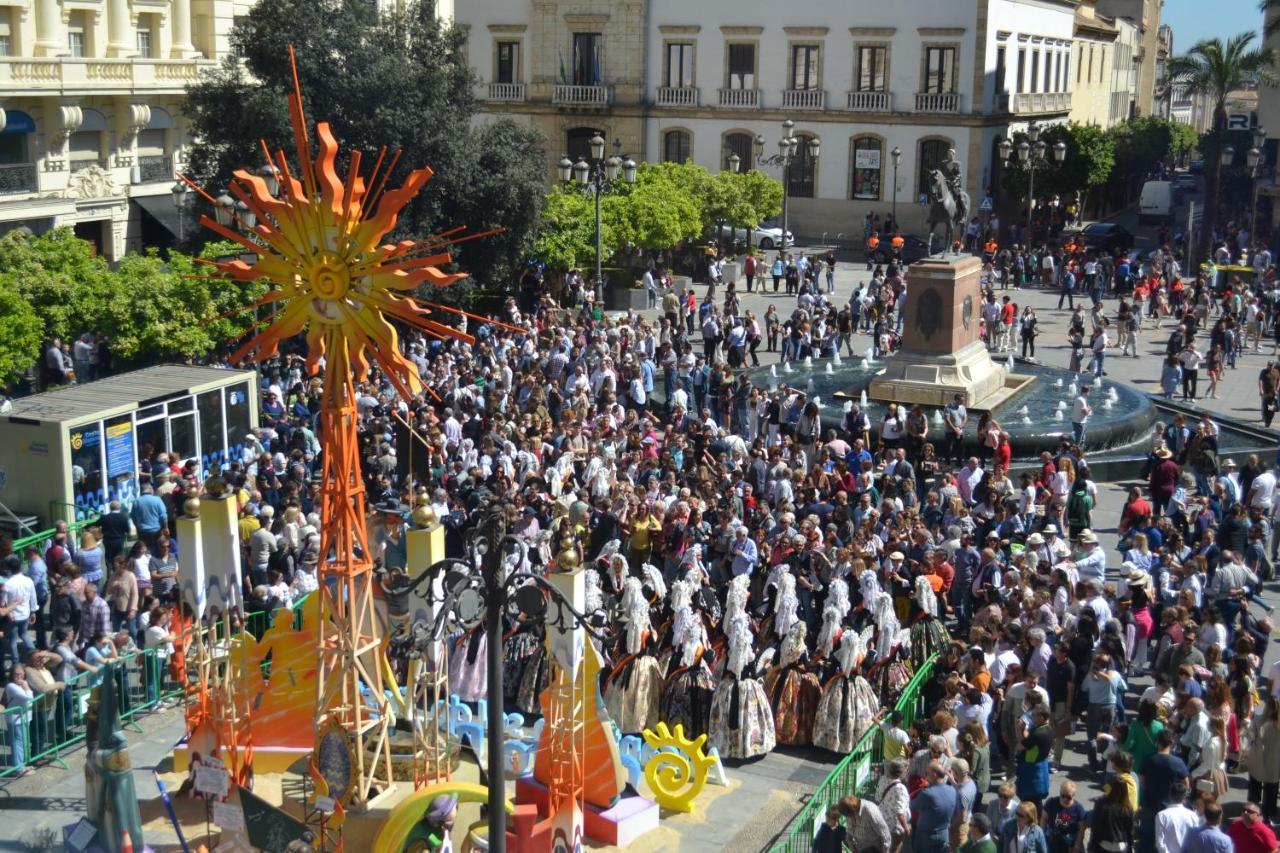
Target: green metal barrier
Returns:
[42, 729]
[41, 538]
[858, 772]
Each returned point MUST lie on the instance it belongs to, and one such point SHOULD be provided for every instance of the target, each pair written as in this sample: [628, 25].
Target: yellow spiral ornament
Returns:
[676, 777]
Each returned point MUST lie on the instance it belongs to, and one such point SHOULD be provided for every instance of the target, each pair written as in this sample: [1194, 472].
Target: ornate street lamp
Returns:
[598, 175]
[179, 192]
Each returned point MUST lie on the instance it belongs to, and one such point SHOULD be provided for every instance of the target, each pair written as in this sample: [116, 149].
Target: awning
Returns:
[161, 209]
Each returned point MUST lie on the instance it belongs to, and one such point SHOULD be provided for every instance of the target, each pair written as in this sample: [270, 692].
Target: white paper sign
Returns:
[228, 816]
[866, 158]
[212, 780]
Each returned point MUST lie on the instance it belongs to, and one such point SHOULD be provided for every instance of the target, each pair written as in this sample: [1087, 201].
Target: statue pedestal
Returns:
[942, 350]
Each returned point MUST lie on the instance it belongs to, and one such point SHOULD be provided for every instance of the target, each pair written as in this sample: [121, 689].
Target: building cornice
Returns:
[872, 32]
[810, 32]
[741, 31]
[508, 28]
[583, 20]
[679, 29]
[940, 32]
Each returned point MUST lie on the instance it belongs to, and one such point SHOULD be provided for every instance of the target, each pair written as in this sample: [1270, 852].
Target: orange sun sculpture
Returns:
[318, 245]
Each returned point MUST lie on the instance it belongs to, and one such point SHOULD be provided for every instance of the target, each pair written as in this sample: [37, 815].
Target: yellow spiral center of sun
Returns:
[330, 278]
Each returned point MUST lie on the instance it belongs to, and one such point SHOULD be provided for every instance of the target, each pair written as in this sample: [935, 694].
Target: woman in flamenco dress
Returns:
[632, 687]
[689, 686]
[928, 634]
[741, 720]
[848, 705]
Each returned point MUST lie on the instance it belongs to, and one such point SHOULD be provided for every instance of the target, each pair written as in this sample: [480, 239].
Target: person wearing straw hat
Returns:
[1090, 559]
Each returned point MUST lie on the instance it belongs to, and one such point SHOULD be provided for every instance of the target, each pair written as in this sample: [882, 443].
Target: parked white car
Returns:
[766, 235]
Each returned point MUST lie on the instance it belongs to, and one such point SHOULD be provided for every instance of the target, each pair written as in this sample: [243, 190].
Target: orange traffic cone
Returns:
[127, 843]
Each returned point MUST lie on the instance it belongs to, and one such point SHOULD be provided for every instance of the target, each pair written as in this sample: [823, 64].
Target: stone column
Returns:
[120, 40]
[49, 36]
[181, 23]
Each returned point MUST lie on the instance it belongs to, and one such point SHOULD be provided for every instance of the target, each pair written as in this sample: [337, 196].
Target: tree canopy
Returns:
[405, 84]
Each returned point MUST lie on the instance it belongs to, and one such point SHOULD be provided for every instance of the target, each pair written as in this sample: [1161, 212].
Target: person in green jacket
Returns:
[1141, 740]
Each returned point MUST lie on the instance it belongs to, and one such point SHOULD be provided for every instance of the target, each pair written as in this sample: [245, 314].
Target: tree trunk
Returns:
[1213, 189]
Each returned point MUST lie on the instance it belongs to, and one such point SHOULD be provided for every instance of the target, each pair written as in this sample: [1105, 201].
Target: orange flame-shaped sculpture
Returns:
[318, 244]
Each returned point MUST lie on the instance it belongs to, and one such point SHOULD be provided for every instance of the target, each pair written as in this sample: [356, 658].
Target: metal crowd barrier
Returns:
[51, 723]
[858, 772]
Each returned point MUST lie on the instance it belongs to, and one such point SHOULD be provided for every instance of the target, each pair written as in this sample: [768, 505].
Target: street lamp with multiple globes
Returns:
[788, 151]
[1031, 154]
[896, 154]
[598, 175]
[1253, 160]
[179, 192]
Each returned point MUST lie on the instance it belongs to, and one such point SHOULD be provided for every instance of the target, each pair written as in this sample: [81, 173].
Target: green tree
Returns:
[763, 193]
[21, 331]
[655, 213]
[161, 318]
[404, 83]
[566, 232]
[53, 272]
[1213, 69]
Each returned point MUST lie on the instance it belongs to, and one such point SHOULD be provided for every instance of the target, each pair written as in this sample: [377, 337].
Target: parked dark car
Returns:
[913, 249]
[1186, 182]
[1107, 236]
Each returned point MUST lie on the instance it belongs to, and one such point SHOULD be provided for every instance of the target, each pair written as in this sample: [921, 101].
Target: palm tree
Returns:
[1213, 69]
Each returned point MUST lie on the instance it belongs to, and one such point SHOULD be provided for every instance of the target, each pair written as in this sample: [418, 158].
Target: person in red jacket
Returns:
[1003, 455]
[1250, 832]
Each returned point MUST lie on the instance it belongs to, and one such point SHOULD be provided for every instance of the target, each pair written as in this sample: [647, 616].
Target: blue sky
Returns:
[1193, 20]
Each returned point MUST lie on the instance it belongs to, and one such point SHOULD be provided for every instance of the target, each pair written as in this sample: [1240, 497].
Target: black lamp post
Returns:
[1031, 154]
[478, 588]
[179, 192]
[896, 154]
[598, 176]
[788, 151]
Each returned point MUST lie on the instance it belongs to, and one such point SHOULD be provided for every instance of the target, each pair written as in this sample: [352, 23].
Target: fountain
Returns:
[786, 367]
[1112, 396]
[870, 355]
[1024, 411]
[836, 358]
[1057, 416]
[1073, 389]
[1026, 421]
[1062, 406]
[817, 401]
[830, 368]
[773, 371]
[1009, 363]
[848, 406]
[808, 362]
[1057, 383]
[862, 399]
[937, 417]
[808, 387]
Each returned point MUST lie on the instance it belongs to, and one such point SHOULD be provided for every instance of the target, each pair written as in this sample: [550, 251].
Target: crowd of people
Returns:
[767, 577]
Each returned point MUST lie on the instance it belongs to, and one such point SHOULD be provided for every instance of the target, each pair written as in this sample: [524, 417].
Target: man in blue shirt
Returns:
[1209, 838]
[744, 552]
[150, 516]
[932, 811]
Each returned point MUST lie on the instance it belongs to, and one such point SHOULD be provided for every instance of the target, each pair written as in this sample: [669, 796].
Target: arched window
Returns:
[742, 144]
[17, 130]
[868, 166]
[677, 146]
[933, 153]
[803, 167]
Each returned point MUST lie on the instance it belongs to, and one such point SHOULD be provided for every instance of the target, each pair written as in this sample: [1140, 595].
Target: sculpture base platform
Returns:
[619, 825]
[933, 379]
[266, 758]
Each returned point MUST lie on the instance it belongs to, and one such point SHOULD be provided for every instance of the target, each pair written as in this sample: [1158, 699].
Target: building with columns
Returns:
[90, 108]
[672, 81]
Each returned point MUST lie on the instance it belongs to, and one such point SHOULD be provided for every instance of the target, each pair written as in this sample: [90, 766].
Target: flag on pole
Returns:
[563, 79]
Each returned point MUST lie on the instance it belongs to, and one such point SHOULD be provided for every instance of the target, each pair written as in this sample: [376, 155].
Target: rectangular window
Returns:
[804, 67]
[1066, 70]
[870, 73]
[1089, 75]
[742, 66]
[679, 70]
[6, 33]
[940, 70]
[144, 42]
[866, 169]
[508, 70]
[1022, 69]
[76, 44]
[586, 59]
[1057, 71]
[1034, 86]
[1000, 71]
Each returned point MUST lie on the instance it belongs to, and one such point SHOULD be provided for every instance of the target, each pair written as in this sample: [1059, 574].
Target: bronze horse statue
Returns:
[947, 208]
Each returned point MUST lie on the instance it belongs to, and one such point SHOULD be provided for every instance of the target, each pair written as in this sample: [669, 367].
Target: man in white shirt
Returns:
[17, 607]
[1080, 411]
[1091, 558]
[968, 478]
[1262, 491]
[1174, 823]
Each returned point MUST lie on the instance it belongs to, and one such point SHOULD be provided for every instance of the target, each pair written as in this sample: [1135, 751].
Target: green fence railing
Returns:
[41, 538]
[42, 729]
[856, 773]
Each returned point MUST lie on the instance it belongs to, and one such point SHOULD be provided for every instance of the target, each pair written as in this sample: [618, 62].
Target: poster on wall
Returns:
[119, 450]
[866, 173]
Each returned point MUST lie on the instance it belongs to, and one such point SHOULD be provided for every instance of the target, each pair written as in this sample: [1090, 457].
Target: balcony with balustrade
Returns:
[75, 75]
[803, 99]
[937, 102]
[869, 102]
[508, 92]
[678, 96]
[582, 96]
[17, 178]
[740, 98]
[1035, 103]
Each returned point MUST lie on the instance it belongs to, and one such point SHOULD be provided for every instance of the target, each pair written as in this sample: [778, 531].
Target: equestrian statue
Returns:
[950, 203]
